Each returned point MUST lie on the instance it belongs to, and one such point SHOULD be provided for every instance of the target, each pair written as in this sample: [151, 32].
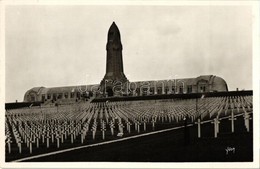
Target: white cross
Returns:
[216, 127]
[232, 118]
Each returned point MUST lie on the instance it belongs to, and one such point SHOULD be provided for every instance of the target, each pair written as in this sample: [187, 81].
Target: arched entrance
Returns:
[202, 86]
[110, 92]
[32, 97]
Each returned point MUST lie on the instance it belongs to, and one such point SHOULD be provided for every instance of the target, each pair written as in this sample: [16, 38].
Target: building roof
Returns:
[211, 79]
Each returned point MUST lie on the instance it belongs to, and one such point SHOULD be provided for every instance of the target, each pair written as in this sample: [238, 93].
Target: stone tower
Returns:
[114, 76]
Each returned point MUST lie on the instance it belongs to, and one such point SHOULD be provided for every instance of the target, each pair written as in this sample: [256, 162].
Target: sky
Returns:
[55, 46]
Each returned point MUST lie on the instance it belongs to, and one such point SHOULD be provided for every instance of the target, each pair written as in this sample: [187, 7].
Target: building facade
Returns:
[115, 82]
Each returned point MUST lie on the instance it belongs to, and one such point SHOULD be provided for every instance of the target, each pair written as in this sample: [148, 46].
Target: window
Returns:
[72, 95]
[189, 89]
[48, 96]
[32, 98]
[111, 34]
[181, 89]
[159, 90]
[78, 94]
[173, 89]
[60, 96]
[43, 97]
[54, 96]
[152, 91]
[66, 95]
[203, 88]
[167, 90]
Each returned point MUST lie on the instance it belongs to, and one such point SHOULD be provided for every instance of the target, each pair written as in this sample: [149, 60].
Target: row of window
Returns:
[56, 96]
[67, 95]
[189, 89]
[181, 90]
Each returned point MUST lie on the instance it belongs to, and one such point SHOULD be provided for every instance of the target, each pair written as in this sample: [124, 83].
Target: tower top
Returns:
[113, 27]
[113, 33]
